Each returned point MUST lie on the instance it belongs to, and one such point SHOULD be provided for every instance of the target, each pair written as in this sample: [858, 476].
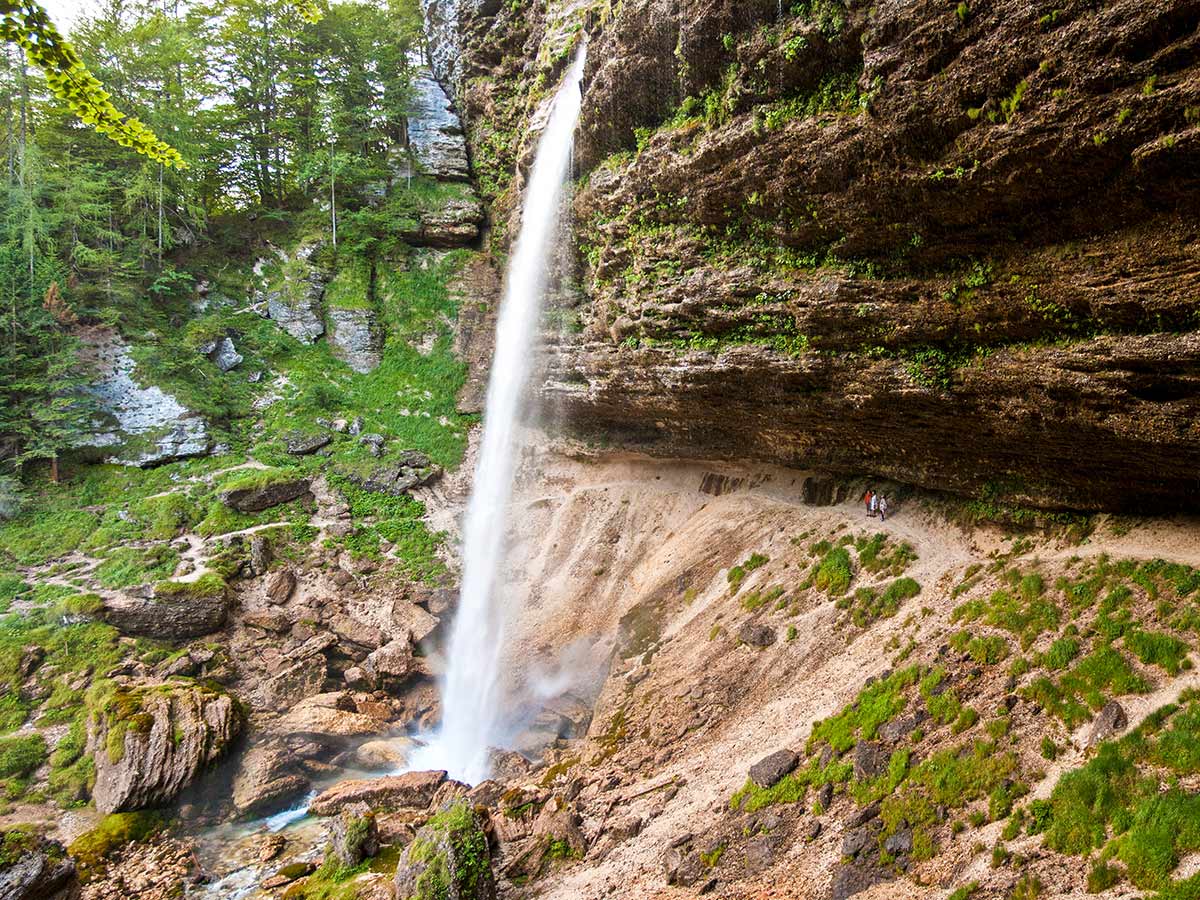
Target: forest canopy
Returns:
[259, 108]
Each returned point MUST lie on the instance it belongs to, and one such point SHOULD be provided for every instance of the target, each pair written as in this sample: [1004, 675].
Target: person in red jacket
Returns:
[868, 497]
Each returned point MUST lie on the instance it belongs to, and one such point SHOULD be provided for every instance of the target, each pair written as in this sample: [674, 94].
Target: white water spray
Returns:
[471, 692]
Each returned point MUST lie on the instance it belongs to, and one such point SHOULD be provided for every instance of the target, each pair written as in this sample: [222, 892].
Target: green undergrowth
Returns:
[868, 605]
[737, 574]
[398, 520]
[1129, 804]
[793, 787]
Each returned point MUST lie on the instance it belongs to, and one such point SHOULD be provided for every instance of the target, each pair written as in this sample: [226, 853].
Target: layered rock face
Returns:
[150, 742]
[950, 246]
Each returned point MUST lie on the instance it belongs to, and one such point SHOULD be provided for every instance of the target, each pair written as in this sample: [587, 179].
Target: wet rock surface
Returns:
[412, 790]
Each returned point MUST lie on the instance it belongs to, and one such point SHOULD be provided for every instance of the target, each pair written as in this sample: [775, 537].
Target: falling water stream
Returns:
[472, 713]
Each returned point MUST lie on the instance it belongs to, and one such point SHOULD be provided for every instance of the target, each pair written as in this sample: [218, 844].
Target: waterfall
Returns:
[471, 689]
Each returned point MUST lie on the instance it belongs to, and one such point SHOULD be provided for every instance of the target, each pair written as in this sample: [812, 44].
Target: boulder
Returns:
[560, 822]
[770, 769]
[150, 741]
[453, 845]
[1111, 720]
[40, 871]
[267, 778]
[411, 469]
[303, 678]
[756, 634]
[301, 443]
[870, 760]
[353, 835]
[256, 498]
[280, 587]
[373, 442]
[223, 354]
[261, 554]
[324, 723]
[412, 790]
[682, 865]
[179, 611]
[859, 838]
[356, 338]
[353, 631]
[383, 754]
[412, 620]
[390, 664]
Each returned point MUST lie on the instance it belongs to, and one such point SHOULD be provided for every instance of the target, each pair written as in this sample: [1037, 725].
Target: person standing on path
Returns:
[874, 504]
[869, 499]
[883, 509]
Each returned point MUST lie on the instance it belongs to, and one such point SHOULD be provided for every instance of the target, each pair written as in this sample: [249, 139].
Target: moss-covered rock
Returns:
[33, 868]
[449, 859]
[179, 610]
[149, 742]
[92, 848]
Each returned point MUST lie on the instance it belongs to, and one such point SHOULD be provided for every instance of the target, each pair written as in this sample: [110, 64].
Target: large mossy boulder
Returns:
[261, 489]
[149, 742]
[178, 611]
[449, 859]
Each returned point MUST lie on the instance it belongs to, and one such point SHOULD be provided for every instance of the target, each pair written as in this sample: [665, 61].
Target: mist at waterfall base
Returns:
[473, 719]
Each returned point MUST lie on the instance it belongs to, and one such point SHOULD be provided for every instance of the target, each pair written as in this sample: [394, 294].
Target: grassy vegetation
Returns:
[876, 704]
[210, 584]
[868, 605]
[128, 566]
[834, 572]
[1087, 686]
[737, 574]
[1027, 614]
[792, 788]
[1120, 804]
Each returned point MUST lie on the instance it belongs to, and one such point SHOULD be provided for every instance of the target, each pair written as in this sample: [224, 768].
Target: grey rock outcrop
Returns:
[455, 223]
[182, 615]
[137, 425]
[264, 496]
[223, 353]
[151, 741]
[435, 132]
[355, 338]
[294, 300]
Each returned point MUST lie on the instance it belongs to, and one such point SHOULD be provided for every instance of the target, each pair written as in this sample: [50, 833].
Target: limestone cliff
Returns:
[949, 245]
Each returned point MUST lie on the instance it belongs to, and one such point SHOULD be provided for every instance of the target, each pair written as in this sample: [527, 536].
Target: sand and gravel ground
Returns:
[599, 536]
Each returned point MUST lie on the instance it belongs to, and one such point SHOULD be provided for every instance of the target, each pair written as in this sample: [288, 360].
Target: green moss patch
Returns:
[91, 849]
